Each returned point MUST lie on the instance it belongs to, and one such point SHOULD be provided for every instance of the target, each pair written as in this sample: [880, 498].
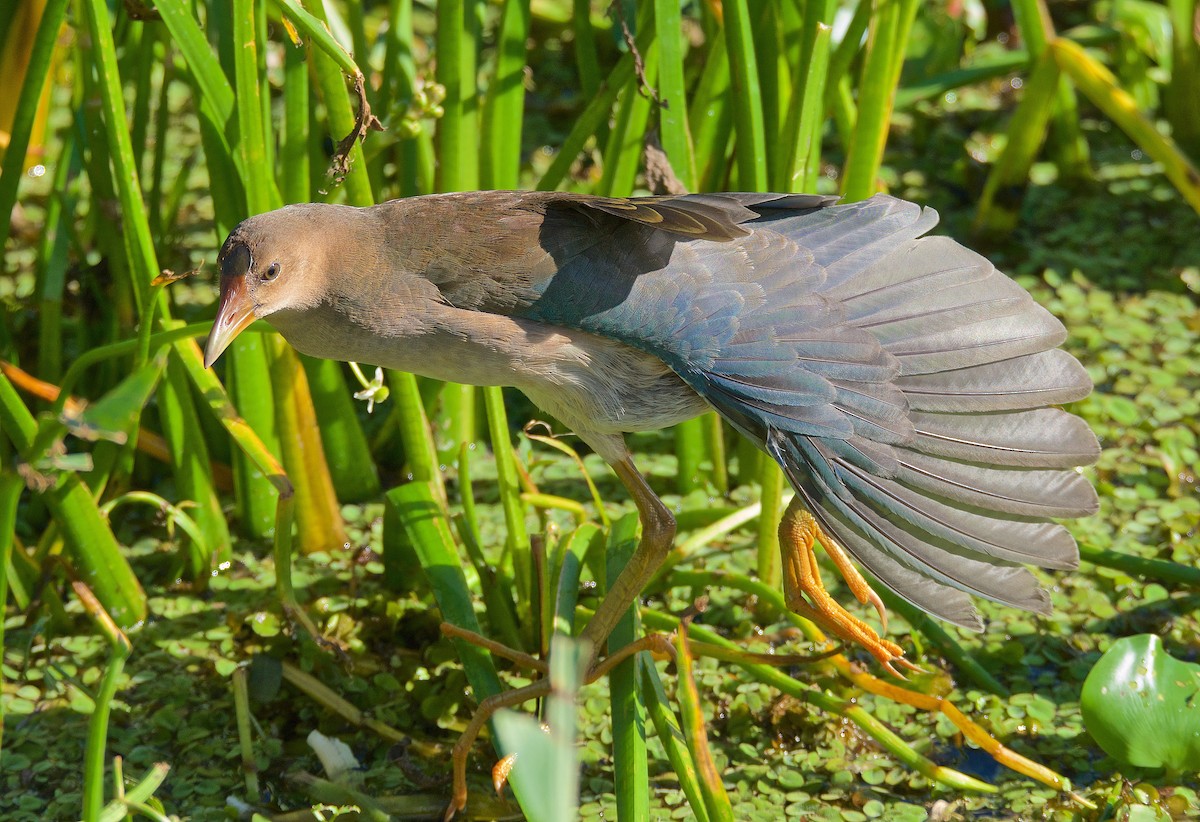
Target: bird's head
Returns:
[271, 262]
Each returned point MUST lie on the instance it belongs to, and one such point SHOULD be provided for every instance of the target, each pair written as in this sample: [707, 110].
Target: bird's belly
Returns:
[617, 391]
[591, 383]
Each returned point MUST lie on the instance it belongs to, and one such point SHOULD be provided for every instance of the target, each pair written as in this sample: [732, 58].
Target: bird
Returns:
[910, 391]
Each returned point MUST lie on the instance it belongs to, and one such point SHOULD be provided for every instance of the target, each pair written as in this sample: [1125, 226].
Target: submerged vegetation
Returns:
[164, 653]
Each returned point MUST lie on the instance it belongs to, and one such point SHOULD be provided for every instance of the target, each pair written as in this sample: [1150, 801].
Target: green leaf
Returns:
[115, 415]
[1143, 706]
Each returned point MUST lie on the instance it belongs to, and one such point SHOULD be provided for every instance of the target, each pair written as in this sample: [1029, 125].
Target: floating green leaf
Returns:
[1143, 706]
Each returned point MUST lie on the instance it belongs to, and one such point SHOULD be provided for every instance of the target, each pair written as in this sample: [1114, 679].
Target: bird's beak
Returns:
[234, 314]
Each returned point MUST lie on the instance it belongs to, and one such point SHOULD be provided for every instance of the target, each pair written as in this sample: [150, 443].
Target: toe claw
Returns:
[877, 604]
[500, 772]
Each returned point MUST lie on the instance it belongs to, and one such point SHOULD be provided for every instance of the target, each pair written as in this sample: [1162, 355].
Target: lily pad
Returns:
[1143, 706]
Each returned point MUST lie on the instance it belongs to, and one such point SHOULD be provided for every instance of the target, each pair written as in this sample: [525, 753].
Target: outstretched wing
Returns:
[902, 382]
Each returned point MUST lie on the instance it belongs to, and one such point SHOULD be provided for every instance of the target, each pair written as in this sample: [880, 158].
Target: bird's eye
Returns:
[271, 273]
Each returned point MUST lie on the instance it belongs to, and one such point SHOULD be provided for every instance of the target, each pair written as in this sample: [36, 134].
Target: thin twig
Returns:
[639, 65]
[364, 121]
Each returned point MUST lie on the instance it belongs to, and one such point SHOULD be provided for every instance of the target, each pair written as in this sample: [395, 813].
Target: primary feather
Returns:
[901, 381]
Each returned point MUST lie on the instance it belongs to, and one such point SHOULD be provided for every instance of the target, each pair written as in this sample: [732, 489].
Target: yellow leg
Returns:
[798, 532]
[854, 580]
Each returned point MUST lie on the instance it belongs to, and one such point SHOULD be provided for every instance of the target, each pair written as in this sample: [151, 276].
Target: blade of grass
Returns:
[848, 48]
[11, 487]
[1156, 569]
[802, 137]
[509, 487]
[455, 46]
[751, 153]
[1179, 97]
[672, 96]
[241, 710]
[1066, 139]
[568, 567]
[623, 153]
[396, 95]
[1098, 83]
[415, 434]
[710, 116]
[690, 450]
[771, 482]
[351, 468]
[293, 172]
[37, 69]
[666, 726]
[496, 586]
[247, 376]
[598, 110]
[1000, 201]
[429, 532]
[773, 81]
[203, 65]
[53, 262]
[121, 310]
[94, 754]
[712, 789]
[261, 193]
[630, 765]
[504, 110]
[886, 43]
[160, 223]
[318, 514]
[189, 455]
[143, 261]
[586, 57]
[714, 434]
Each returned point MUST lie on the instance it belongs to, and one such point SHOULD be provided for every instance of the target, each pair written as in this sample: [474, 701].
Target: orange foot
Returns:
[798, 532]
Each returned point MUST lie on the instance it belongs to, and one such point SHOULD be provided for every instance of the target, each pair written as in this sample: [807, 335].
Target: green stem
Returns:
[747, 100]
[36, 72]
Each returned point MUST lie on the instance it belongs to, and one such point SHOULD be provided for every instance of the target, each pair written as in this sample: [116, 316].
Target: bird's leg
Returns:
[658, 533]
[521, 658]
[798, 531]
[483, 713]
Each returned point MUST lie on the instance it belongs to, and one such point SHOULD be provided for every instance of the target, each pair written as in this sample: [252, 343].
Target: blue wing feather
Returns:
[860, 357]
